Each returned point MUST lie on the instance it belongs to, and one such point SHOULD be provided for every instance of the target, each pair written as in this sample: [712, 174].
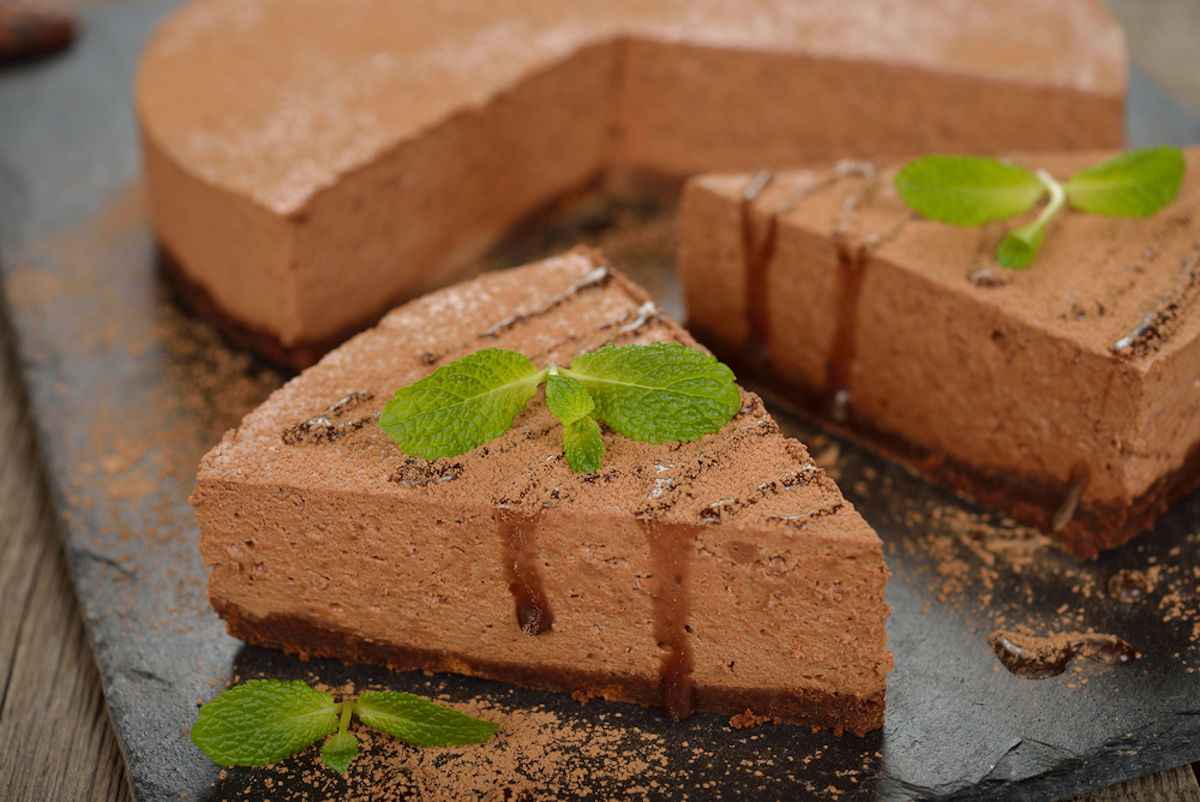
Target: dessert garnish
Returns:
[656, 393]
[974, 190]
[264, 721]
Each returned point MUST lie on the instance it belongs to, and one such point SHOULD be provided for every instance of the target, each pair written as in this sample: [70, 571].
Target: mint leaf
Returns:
[420, 722]
[462, 405]
[1019, 246]
[658, 393]
[339, 750]
[1134, 184]
[967, 190]
[567, 398]
[263, 721]
[583, 445]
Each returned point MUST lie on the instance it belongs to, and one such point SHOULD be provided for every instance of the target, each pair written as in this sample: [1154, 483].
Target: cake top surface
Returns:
[1109, 285]
[748, 475]
[278, 98]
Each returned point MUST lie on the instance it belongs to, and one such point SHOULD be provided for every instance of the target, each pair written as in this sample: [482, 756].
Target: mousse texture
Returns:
[308, 168]
[725, 574]
[1067, 394]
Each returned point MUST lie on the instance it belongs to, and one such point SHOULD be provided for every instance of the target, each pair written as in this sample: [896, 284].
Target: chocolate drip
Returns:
[670, 558]
[757, 253]
[852, 257]
[852, 264]
[1080, 475]
[518, 538]
[1157, 326]
[598, 276]
[1040, 657]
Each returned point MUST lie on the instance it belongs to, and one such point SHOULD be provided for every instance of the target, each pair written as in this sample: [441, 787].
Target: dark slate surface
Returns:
[128, 393]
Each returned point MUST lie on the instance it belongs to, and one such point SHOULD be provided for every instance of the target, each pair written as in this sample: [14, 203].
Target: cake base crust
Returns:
[306, 639]
[198, 301]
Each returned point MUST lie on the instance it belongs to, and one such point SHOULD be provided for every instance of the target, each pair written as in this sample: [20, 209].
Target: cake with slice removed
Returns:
[1067, 394]
[365, 155]
[727, 574]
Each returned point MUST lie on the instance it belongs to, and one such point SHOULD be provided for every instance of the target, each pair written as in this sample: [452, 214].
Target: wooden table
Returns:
[55, 738]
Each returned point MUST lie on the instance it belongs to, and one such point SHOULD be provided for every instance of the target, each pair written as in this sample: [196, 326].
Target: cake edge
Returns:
[306, 639]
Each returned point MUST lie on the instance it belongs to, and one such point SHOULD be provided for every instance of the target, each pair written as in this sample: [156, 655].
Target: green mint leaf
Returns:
[658, 393]
[462, 405]
[1134, 184]
[567, 398]
[1020, 246]
[263, 721]
[583, 445]
[967, 190]
[420, 722]
[339, 750]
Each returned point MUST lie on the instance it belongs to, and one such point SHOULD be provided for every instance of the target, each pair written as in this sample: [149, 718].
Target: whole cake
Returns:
[309, 166]
[1067, 394]
[728, 574]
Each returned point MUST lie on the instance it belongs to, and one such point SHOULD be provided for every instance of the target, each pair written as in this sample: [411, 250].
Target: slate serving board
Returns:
[127, 393]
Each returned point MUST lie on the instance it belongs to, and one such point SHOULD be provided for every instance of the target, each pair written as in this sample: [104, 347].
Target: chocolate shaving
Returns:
[419, 473]
[322, 428]
[596, 277]
[1156, 326]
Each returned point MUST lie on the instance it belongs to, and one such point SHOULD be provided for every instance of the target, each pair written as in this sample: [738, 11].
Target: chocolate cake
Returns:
[1067, 395]
[727, 574]
[308, 168]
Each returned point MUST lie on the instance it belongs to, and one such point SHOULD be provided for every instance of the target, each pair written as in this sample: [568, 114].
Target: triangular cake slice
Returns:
[728, 574]
[1064, 394]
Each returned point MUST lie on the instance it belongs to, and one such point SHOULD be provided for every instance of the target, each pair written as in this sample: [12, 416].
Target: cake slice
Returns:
[1067, 395]
[368, 154]
[727, 574]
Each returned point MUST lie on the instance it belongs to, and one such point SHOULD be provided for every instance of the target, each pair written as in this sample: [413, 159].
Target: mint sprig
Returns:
[569, 400]
[972, 190]
[261, 722]
[462, 404]
[656, 393]
[420, 722]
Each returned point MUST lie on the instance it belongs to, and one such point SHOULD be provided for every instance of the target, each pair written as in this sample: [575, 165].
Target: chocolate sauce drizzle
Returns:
[1156, 326]
[758, 250]
[518, 537]
[596, 277]
[757, 253]
[670, 560]
[322, 428]
[852, 258]
[1036, 657]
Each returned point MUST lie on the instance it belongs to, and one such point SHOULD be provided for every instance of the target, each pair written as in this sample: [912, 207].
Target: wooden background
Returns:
[55, 739]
